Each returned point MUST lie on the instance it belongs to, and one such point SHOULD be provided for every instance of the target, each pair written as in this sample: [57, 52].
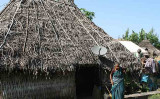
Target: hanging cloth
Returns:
[150, 65]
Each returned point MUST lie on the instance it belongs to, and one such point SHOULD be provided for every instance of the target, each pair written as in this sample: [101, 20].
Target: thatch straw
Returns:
[48, 34]
[146, 44]
[26, 86]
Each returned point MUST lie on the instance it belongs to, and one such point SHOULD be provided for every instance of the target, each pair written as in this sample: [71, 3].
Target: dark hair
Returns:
[117, 63]
[146, 56]
[146, 49]
[154, 53]
[139, 50]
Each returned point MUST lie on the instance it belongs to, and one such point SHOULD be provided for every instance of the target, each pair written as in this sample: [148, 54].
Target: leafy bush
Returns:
[131, 86]
[157, 96]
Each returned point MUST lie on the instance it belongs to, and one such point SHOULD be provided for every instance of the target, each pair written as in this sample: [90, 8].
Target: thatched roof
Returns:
[52, 34]
[146, 44]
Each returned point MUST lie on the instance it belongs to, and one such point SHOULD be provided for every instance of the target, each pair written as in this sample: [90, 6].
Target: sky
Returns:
[116, 16]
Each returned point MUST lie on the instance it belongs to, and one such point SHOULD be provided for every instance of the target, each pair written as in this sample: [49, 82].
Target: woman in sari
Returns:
[117, 81]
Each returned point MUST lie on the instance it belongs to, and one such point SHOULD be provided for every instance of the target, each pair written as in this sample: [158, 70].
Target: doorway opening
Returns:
[86, 78]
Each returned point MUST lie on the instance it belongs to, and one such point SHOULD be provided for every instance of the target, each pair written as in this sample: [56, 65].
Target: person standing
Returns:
[117, 81]
[139, 54]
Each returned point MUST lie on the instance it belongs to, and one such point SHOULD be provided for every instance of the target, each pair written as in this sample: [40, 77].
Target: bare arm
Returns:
[111, 77]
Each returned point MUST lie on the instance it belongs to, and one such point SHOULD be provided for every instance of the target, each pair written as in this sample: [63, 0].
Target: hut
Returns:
[146, 44]
[45, 51]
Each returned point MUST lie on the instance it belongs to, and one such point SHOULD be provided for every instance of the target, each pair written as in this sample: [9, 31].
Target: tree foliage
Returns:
[88, 14]
[126, 35]
[134, 37]
[142, 35]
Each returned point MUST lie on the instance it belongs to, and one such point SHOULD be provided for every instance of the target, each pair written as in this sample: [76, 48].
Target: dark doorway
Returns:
[86, 78]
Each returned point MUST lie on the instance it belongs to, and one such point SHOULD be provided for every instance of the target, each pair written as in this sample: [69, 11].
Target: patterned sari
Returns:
[118, 86]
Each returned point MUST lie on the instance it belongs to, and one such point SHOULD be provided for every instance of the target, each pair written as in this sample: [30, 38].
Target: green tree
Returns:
[157, 45]
[153, 38]
[126, 36]
[88, 14]
[134, 37]
[142, 35]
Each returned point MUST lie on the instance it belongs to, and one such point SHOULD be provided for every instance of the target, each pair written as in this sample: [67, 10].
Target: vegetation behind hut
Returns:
[142, 35]
[90, 15]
